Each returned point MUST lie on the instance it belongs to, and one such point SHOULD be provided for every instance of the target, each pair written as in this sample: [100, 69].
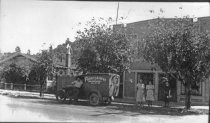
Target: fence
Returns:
[25, 87]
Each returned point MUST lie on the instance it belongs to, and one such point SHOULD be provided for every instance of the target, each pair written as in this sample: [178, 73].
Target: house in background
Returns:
[63, 67]
[23, 60]
[140, 69]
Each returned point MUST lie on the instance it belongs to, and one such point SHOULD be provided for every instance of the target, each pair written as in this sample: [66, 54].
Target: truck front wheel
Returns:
[94, 99]
[60, 96]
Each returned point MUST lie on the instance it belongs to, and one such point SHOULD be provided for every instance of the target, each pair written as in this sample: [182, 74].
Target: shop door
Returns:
[173, 86]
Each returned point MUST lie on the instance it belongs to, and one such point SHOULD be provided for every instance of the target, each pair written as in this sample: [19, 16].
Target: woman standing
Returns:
[150, 93]
[140, 93]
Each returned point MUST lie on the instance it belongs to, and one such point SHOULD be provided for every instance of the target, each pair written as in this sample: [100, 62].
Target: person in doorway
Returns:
[167, 92]
[150, 93]
[140, 98]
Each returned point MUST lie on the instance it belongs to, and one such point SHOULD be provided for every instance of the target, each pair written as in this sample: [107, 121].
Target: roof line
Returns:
[16, 54]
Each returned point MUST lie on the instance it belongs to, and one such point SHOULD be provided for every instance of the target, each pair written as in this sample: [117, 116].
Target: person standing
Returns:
[150, 93]
[112, 88]
[77, 85]
[140, 99]
[73, 90]
[167, 92]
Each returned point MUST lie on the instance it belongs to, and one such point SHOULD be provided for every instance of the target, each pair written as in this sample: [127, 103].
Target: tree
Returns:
[42, 69]
[101, 49]
[180, 49]
[14, 74]
[17, 49]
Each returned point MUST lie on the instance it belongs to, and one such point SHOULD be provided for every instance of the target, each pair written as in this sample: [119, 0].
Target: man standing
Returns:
[167, 92]
[76, 85]
[73, 90]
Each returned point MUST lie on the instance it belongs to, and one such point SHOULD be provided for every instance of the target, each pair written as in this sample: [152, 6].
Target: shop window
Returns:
[196, 89]
[146, 77]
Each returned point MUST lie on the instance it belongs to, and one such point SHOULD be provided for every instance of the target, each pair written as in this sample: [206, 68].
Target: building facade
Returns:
[20, 59]
[140, 69]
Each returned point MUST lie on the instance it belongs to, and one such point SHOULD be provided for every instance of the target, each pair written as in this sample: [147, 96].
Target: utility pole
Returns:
[1, 21]
[209, 79]
[117, 12]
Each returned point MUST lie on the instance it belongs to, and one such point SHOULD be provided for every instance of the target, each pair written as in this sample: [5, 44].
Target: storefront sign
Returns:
[95, 79]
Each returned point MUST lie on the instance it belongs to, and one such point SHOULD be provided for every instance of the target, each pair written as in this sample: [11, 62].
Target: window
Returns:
[196, 89]
[146, 77]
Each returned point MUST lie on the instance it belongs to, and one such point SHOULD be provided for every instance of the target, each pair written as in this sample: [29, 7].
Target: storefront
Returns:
[146, 72]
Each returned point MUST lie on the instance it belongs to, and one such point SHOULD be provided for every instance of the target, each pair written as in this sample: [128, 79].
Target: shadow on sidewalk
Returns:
[119, 108]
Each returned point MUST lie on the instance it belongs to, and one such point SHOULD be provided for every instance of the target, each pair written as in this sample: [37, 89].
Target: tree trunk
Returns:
[40, 90]
[209, 104]
[188, 96]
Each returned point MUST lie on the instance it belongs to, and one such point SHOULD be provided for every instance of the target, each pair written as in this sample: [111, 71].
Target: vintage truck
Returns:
[97, 88]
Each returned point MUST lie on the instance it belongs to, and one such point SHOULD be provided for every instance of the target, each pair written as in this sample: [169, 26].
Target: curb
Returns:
[20, 94]
[35, 95]
[129, 105]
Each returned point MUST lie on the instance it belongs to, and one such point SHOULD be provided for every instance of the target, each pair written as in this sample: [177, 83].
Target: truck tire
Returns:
[94, 99]
[60, 96]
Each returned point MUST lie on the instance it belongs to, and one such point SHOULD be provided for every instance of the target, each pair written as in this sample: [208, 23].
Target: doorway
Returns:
[173, 87]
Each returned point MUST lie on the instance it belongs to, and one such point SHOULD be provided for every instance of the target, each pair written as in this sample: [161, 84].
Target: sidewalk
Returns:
[118, 101]
[26, 94]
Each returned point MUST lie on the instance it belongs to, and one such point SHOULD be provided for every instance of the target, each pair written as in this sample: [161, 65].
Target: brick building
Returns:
[140, 69]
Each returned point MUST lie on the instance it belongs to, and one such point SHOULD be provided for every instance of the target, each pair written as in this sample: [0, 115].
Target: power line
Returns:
[117, 12]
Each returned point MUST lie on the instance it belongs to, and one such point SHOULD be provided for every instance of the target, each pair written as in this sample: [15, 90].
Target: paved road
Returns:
[35, 110]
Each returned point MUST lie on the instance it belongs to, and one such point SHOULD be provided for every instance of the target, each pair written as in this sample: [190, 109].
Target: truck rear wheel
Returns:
[60, 96]
[94, 99]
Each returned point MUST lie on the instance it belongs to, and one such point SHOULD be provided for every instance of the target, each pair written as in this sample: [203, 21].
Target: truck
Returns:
[97, 88]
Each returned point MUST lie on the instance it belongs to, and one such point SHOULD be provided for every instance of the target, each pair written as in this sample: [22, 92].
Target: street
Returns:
[40, 110]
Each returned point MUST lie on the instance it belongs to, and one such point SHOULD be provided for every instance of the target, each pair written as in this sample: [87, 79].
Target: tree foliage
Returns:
[60, 51]
[14, 74]
[100, 48]
[178, 46]
[17, 49]
[42, 69]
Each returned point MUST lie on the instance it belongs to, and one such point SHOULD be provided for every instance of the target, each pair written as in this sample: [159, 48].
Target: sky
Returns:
[36, 25]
